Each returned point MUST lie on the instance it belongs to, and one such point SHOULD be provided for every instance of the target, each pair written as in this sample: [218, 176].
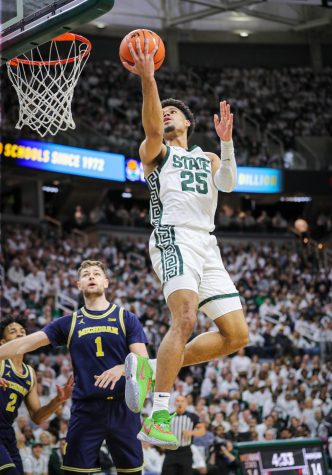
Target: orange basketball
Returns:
[153, 38]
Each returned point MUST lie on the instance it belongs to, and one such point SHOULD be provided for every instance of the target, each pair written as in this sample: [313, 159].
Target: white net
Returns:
[45, 82]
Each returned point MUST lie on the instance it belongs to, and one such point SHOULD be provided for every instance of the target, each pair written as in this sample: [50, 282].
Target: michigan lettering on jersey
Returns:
[99, 329]
[18, 388]
[192, 163]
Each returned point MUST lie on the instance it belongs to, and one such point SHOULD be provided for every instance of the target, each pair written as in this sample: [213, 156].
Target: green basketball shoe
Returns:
[138, 381]
[156, 430]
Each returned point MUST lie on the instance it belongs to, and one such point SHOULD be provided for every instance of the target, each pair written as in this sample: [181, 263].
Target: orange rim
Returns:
[63, 37]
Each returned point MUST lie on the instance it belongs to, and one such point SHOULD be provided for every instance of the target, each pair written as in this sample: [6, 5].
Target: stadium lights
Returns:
[243, 34]
[99, 24]
[127, 193]
[50, 189]
[296, 199]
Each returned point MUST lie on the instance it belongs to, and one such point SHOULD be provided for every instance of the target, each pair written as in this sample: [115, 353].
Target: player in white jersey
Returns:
[184, 184]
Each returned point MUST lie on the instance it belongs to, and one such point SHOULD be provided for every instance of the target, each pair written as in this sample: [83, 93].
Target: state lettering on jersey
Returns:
[191, 163]
[98, 329]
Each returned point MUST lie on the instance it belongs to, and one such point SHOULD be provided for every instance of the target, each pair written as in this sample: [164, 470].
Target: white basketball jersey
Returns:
[182, 190]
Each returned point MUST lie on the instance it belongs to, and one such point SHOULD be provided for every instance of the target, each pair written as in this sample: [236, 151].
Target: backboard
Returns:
[26, 24]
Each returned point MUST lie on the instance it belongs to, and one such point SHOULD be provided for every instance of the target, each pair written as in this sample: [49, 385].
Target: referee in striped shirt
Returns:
[185, 426]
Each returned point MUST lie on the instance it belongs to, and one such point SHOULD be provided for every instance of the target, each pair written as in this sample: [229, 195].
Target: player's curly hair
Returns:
[184, 109]
[5, 321]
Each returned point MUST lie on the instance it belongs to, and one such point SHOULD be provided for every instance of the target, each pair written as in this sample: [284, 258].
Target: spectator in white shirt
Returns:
[153, 460]
[32, 282]
[249, 395]
[15, 273]
[265, 426]
[241, 363]
[36, 464]
[289, 404]
[228, 385]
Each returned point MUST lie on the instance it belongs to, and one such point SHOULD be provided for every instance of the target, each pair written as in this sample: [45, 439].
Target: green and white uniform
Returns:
[183, 252]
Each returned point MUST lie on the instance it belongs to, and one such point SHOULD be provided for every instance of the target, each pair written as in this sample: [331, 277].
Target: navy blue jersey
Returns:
[97, 341]
[11, 398]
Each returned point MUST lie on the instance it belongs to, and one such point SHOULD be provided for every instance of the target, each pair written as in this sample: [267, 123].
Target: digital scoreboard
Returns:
[282, 457]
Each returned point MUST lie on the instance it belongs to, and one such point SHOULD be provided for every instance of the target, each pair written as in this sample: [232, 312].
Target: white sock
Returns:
[160, 402]
[153, 366]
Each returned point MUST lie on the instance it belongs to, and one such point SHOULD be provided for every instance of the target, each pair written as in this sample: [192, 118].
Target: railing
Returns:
[54, 221]
[253, 124]
[307, 151]
[275, 147]
[327, 258]
[299, 162]
[81, 234]
[65, 303]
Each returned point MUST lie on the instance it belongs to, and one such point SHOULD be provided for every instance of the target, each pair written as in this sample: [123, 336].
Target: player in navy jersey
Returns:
[18, 383]
[99, 336]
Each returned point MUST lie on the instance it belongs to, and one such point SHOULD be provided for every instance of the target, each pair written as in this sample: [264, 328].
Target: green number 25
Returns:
[194, 181]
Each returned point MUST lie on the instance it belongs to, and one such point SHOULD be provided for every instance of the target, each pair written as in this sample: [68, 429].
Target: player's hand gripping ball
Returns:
[142, 34]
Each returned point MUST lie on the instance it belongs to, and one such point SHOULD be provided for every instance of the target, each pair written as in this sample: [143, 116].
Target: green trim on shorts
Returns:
[177, 250]
[216, 297]
[170, 253]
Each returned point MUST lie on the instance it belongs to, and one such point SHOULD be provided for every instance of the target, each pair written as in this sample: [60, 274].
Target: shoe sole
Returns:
[132, 387]
[145, 438]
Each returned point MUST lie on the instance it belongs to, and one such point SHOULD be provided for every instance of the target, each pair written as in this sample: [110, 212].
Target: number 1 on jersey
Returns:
[99, 351]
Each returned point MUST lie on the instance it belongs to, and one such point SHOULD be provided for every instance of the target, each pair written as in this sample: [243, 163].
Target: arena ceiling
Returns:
[218, 17]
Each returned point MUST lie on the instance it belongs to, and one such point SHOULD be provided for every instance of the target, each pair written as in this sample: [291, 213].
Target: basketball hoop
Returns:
[45, 87]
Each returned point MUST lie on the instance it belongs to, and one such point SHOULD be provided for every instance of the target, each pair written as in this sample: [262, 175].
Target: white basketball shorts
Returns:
[187, 259]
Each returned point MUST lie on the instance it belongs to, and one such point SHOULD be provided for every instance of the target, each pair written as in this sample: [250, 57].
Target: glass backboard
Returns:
[26, 24]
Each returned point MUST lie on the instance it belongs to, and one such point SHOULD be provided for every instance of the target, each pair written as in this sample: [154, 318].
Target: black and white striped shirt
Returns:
[185, 421]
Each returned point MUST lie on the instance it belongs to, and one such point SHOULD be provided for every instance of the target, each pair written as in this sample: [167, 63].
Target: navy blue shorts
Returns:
[92, 422]
[9, 453]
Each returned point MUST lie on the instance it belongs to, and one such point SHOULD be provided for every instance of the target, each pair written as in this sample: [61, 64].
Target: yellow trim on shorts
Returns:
[82, 470]
[121, 319]
[130, 470]
[72, 326]
[7, 466]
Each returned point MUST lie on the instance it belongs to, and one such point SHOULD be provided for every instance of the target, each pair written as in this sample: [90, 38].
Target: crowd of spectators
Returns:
[280, 386]
[136, 215]
[285, 102]
[228, 218]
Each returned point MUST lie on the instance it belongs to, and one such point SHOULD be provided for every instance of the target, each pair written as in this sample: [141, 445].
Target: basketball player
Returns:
[184, 183]
[99, 336]
[18, 383]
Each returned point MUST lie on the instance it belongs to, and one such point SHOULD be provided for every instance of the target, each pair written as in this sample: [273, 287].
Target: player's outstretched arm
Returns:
[19, 346]
[224, 169]
[40, 413]
[152, 114]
